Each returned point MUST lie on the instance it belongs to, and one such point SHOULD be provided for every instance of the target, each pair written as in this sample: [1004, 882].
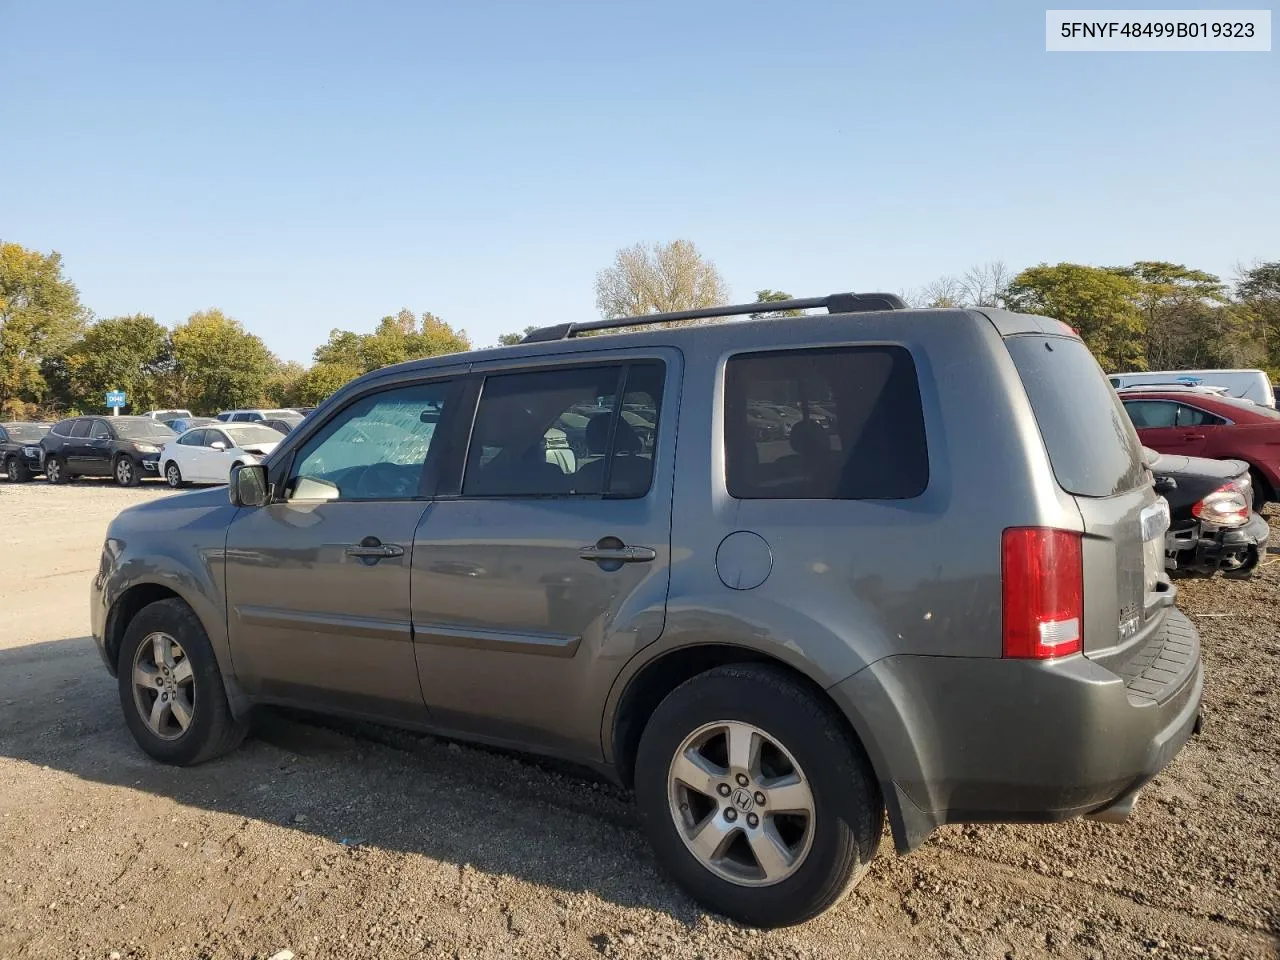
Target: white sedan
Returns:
[207, 454]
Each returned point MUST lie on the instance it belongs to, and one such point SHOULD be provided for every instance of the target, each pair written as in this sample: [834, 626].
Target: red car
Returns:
[1205, 424]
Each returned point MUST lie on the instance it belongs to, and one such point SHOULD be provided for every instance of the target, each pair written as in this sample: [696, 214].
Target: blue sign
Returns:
[115, 399]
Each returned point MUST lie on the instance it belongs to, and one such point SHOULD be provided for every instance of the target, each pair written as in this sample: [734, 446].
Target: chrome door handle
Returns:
[618, 554]
[371, 550]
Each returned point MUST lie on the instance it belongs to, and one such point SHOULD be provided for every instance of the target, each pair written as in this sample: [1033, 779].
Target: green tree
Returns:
[1258, 291]
[396, 338]
[40, 315]
[321, 381]
[774, 296]
[219, 364]
[132, 354]
[282, 385]
[1179, 307]
[511, 339]
[658, 279]
[1097, 301]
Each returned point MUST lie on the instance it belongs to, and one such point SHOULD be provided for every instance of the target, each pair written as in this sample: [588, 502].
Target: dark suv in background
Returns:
[126, 448]
[781, 576]
[20, 450]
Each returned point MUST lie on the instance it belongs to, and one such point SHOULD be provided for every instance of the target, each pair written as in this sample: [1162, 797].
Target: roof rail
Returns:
[1172, 387]
[835, 303]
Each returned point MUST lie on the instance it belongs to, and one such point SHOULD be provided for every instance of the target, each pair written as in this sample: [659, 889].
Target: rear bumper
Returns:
[1203, 550]
[958, 740]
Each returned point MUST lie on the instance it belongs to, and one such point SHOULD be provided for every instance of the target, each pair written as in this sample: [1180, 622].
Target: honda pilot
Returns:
[781, 576]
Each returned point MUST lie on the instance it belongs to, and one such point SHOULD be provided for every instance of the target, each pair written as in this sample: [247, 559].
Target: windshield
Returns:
[143, 430]
[247, 434]
[1092, 445]
[26, 432]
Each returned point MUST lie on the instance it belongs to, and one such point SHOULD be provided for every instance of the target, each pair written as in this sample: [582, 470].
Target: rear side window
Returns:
[829, 424]
[1092, 445]
[62, 429]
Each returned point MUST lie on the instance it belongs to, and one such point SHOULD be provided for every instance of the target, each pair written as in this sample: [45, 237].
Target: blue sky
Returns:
[305, 166]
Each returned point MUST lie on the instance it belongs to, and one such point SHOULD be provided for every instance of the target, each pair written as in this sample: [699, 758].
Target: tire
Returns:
[55, 470]
[1262, 494]
[211, 730]
[173, 476]
[16, 470]
[126, 472]
[847, 813]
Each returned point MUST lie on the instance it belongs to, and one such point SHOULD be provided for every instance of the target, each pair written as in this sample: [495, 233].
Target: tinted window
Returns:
[1147, 414]
[216, 436]
[375, 448]
[1091, 443]
[99, 431]
[192, 438]
[81, 428]
[830, 424]
[63, 429]
[152, 431]
[1193, 417]
[565, 433]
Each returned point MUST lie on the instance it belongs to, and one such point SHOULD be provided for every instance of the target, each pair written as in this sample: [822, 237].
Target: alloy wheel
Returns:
[163, 686]
[124, 471]
[741, 803]
[12, 468]
[172, 474]
[53, 470]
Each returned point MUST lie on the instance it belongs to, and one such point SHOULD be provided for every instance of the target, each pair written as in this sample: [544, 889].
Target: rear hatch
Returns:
[1096, 457]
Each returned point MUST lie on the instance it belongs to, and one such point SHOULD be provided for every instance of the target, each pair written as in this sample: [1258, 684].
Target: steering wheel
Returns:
[384, 480]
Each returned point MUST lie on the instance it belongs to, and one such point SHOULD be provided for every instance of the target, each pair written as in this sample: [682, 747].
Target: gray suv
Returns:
[781, 576]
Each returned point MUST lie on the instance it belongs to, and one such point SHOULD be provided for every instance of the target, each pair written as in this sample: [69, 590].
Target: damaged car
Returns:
[1213, 527]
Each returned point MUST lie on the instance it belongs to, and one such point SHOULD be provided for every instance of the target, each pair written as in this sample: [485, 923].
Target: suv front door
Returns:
[543, 564]
[318, 580]
[97, 450]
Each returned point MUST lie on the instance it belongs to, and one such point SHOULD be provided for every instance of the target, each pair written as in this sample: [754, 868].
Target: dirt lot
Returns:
[333, 841]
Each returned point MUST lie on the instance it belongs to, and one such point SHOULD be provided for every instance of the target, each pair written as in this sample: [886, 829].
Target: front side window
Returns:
[824, 424]
[566, 432]
[1151, 414]
[217, 436]
[193, 438]
[374, 449]
[99, 431]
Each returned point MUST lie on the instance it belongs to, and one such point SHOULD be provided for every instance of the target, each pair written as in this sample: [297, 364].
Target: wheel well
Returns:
[128, 606]
[650, 686]
[1261, 485]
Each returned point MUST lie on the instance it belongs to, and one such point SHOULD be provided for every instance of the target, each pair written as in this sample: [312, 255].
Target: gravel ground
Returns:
[337, 841]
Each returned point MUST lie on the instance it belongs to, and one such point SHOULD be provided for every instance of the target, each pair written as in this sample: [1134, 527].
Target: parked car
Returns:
[282, 424]
[1252, 385]
[304, 411]
[946, 599]
[20, 450]
[1198, 423]
[207, 454]
[183, 424]
[126, 448]
[1212, 525]
[253, 416]
[163, 415]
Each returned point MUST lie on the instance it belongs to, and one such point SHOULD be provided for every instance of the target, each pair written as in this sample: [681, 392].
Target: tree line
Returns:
[57, 358]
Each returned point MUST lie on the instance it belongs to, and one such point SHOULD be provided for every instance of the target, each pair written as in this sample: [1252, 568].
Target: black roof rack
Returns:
[835, 303]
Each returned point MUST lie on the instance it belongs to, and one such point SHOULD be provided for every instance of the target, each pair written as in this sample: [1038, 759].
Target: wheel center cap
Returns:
[743, 800]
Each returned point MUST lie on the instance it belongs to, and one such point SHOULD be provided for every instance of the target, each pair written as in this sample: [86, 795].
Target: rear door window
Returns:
[825, 424]
[1195, 417]
[81, 429]
[1091, 443]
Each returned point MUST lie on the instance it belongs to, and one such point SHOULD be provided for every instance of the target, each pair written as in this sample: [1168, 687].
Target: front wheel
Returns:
[55, 470]
[756, 797]
[16, 470]
[173, 476]
[126, 472]
[171, 689]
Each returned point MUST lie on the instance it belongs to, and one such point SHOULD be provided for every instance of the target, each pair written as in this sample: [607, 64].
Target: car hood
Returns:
[178, 517]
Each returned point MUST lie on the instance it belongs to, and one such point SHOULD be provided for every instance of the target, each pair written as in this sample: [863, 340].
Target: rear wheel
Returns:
[126, 472]
[1262, 492]
[171, 689]
[755, 796]
[16, 470]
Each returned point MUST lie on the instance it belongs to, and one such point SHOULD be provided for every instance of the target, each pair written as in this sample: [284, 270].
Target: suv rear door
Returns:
[543, 563]
[1096, 457]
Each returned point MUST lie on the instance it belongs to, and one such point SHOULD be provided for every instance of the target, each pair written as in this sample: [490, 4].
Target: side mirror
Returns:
[1165, 484]
[311, 488]
[248, 486]
[217, 445]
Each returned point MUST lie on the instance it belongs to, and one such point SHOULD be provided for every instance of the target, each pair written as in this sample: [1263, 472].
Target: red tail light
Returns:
[1043, 573]
[1228, 506]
